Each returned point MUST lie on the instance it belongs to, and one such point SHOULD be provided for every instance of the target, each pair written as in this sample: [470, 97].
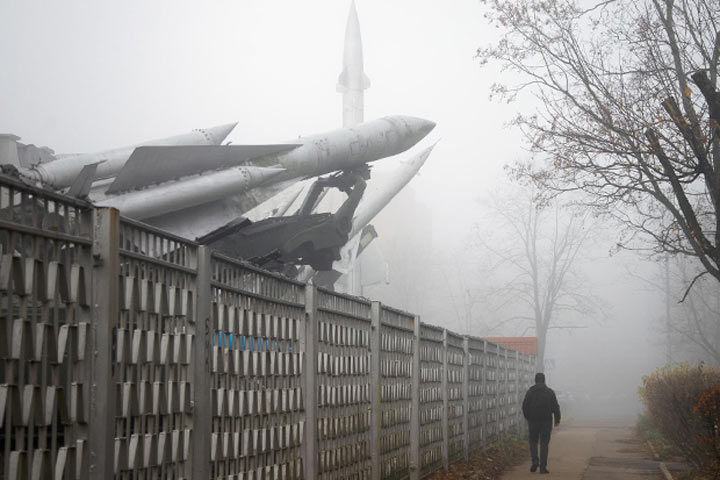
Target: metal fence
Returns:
[130, 353]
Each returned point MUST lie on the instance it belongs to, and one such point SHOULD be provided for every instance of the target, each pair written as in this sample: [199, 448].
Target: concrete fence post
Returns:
[506, 394]
[310, 384]
[105, 308]
[483, 389]
[444, 386]
[375, 380]
[518, 410]
[466, 398]
[415, 405]
[202, 379]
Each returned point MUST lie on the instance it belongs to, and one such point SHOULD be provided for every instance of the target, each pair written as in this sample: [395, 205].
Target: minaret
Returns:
[352, 81]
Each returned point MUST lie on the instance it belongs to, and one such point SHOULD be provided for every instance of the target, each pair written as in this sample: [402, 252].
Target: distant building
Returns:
[527, 345]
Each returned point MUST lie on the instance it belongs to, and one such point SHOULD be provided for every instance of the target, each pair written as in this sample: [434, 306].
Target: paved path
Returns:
[594, 450]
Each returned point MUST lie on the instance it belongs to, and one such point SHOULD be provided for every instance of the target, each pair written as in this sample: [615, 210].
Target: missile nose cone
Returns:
[218, 134]
[426, 127]
[419, 126]
[416, 162]
[425, 154]
[353, 18]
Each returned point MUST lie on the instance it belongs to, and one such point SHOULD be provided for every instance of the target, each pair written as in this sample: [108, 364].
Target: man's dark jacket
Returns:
[541, 404]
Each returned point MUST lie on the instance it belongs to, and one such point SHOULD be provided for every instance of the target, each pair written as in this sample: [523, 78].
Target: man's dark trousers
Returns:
[539, 431]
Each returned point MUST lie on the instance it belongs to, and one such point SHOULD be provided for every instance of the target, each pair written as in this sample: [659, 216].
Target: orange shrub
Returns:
[708, 409]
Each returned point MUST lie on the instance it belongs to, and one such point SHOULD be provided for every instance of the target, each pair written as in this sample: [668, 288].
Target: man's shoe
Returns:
[544, 470]
[533, 468]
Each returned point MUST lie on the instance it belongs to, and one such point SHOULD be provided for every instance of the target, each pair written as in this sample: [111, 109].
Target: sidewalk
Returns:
[593, 450]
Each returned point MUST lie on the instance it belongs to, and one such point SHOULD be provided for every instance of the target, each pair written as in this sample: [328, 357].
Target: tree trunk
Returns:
[542, 335]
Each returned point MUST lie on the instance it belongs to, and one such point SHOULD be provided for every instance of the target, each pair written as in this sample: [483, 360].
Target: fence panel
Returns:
[432, 355]
[396, 357]
[257, 321]
[501, 392]
[154, 353]
[455, 411]
[491, 362]
[526, 379]
[512, 394]
[45, 321]
[476, 394]
[344, 402]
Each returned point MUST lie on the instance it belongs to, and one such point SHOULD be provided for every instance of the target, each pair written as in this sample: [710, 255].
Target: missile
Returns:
[62, 172]
[386, 181]
[352, 147]
[189, 192]
[198, 221]
[310, 156]
[351, 83]
[342, 149]
[352, 80]
[384, 185]
[382, 188]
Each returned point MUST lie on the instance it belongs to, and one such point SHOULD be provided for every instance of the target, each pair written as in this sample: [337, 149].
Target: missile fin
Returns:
[342, 85]
[367, 235]
[80, 188]
[151, 165]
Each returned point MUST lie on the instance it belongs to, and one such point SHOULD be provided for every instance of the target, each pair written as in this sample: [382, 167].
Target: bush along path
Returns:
[683, 415]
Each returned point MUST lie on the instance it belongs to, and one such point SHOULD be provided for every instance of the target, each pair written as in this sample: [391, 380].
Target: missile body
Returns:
[353, 81]
[62, 172]
[189, 192]
[198, 221]
[316, 155]
[384, 185]
[349, 148]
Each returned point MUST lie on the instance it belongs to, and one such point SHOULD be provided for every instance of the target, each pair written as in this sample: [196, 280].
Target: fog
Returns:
[83, 76]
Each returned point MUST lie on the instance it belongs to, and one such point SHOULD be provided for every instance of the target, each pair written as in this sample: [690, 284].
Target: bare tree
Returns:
[694, 323]
[628, 112]
[689, 328]
[535, 279]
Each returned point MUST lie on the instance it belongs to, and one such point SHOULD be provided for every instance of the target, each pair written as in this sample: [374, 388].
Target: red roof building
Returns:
[527, 345]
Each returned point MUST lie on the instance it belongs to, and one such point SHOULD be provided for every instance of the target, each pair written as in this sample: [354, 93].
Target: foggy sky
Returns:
[83, 76]
[86, 76]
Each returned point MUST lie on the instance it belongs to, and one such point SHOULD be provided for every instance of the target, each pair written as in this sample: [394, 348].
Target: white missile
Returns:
[384, 184]
[342, 149]
[197, 190]
[351, 83]
[62, 172]
[310, 156]
[352, 80]
[195, 222]
[352, 147]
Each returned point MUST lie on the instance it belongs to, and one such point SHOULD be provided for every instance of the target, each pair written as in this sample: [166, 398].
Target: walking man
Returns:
[539, 406]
